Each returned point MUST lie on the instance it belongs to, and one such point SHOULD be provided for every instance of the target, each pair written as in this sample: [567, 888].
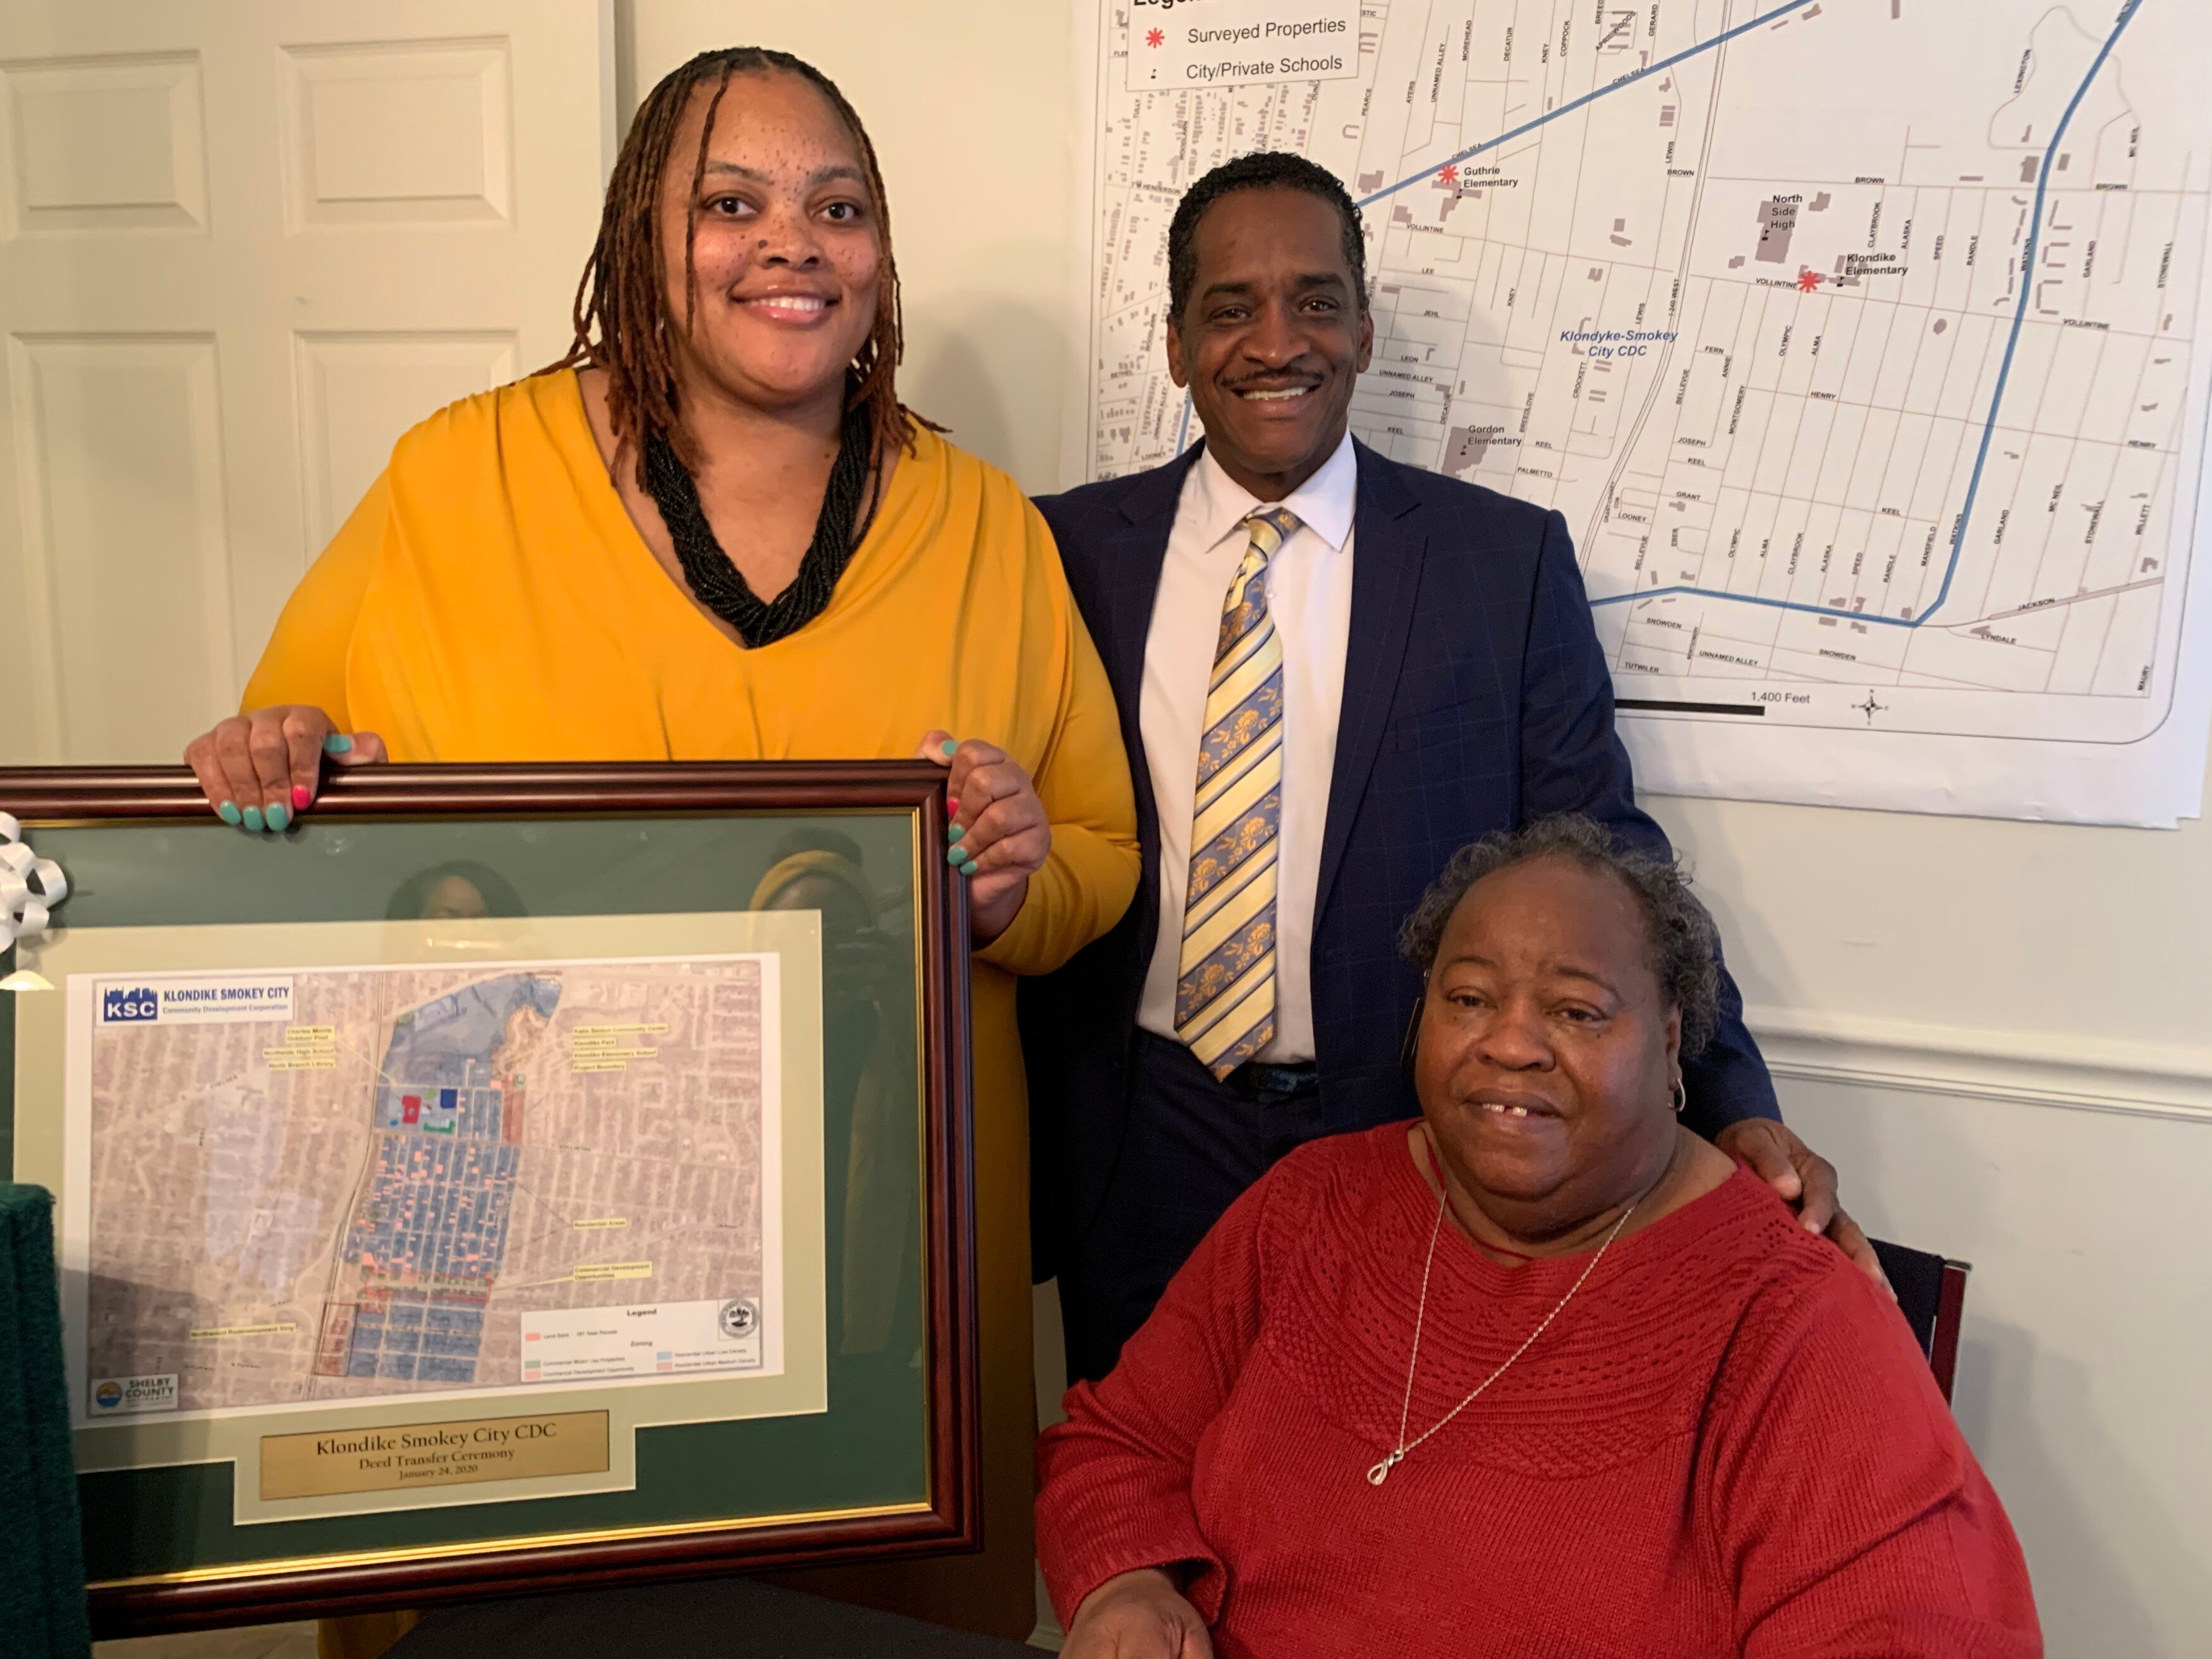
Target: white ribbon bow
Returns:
[30, 886]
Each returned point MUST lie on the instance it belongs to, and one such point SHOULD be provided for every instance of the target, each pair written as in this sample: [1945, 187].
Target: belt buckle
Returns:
[1263, 1077]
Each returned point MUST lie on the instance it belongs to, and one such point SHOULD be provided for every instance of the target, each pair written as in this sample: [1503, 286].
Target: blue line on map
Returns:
[2004, 370]
[2020, 311]
[2012, 343]
[1182, 433]
[1570, 107]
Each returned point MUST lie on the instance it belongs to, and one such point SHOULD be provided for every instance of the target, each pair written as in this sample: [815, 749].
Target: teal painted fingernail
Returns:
[954, 855]
[337, 743]
[228, 811]
[950, 747]
[955, 833]
[252, 816]
[278, 818]
[969, 868]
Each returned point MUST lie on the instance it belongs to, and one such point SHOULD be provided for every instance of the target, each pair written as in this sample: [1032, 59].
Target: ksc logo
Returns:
[119, 1007]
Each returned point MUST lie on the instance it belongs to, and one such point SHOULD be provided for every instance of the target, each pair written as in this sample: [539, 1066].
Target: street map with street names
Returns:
[343, 1184]
[1854, 341]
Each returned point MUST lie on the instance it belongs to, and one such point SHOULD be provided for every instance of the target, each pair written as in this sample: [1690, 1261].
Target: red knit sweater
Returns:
[1727, 1444]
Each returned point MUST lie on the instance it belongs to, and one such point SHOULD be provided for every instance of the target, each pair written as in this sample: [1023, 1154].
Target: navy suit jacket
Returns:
[1475, 699]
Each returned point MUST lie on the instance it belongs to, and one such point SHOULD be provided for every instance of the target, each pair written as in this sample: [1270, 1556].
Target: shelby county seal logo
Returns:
[739, 1318]
[121, 1396]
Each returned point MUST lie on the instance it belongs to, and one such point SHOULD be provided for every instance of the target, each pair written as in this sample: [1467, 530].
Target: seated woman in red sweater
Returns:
[1539, 1374]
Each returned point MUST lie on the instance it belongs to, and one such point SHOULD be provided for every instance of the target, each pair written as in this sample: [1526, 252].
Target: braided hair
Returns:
[622, 318]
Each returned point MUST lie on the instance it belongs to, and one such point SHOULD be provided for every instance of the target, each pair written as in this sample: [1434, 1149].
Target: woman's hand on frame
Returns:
[259, 770]
[999, 837]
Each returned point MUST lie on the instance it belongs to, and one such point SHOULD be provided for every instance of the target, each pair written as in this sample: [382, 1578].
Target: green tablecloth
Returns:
[42, 1613]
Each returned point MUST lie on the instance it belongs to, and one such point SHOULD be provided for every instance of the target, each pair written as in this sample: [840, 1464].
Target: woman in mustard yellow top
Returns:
[714, 534]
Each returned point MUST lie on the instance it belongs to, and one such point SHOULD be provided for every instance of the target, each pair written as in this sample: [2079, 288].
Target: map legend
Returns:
[1174, 44]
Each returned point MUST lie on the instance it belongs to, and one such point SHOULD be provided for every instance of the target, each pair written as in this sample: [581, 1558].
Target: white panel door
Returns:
[244, 245]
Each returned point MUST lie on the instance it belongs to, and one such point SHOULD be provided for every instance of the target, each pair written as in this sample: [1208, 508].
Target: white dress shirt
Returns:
[1310, 596]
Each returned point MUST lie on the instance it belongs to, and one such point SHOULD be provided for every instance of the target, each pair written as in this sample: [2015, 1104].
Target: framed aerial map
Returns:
[509, 1174]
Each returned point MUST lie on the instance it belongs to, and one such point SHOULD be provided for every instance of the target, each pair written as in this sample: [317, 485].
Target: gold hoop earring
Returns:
[1681, 1096]
[1409, 1048]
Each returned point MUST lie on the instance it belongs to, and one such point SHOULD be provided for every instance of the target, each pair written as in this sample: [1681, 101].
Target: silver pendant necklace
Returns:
[1380, 1472]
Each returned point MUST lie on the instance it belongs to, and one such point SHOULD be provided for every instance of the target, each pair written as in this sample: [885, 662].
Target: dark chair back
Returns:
[1932, 1292]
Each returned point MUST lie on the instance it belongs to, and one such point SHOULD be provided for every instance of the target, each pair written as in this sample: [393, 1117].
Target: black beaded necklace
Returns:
[717, 581]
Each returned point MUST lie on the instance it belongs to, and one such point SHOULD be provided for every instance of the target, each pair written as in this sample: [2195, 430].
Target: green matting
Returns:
[869, 1449]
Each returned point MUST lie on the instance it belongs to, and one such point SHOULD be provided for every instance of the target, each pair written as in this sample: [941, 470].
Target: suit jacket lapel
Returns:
[1388, 546]
[1132, 556]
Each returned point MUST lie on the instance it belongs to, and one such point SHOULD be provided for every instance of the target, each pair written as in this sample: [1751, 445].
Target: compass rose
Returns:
[1870, 707]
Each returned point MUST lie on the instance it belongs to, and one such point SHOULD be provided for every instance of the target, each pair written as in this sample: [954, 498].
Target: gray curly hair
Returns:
[1684, 946]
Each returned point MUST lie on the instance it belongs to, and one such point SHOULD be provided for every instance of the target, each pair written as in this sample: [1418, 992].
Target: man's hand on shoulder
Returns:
[1138, 1615]
[1804, 1178]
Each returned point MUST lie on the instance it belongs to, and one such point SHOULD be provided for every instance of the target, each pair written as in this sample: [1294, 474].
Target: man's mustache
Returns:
[1272, 382]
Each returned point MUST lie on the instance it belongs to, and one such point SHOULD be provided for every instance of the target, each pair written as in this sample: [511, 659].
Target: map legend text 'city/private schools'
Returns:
[1222, 43]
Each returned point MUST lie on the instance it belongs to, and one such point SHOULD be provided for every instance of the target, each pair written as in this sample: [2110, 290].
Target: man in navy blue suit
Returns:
[1333, 672]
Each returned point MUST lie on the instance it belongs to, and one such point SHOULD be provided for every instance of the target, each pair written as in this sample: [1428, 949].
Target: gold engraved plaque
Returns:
[414, 1455]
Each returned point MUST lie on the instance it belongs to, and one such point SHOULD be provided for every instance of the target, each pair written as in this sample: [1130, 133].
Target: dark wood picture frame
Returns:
[953, 1520]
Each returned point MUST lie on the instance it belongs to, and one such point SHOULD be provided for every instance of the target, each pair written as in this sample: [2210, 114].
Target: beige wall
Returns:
[2003, 1032]
[969, 109]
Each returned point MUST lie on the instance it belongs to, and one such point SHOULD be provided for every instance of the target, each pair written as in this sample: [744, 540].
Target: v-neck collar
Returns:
[865, 571]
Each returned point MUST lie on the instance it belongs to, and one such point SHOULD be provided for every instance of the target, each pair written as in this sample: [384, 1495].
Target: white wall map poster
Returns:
[1855, 339]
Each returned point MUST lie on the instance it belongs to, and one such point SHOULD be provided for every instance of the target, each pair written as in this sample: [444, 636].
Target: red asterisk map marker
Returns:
[1153, 37]
[1808, 280]
[1449, 173]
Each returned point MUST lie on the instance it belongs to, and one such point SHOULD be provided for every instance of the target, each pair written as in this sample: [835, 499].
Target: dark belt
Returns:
[1258, 1080]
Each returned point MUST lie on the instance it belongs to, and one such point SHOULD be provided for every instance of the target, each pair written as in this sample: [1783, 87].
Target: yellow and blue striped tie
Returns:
[1225, 978]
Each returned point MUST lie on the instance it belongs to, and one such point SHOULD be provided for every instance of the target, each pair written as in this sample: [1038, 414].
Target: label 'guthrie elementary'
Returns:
[422, 1455]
